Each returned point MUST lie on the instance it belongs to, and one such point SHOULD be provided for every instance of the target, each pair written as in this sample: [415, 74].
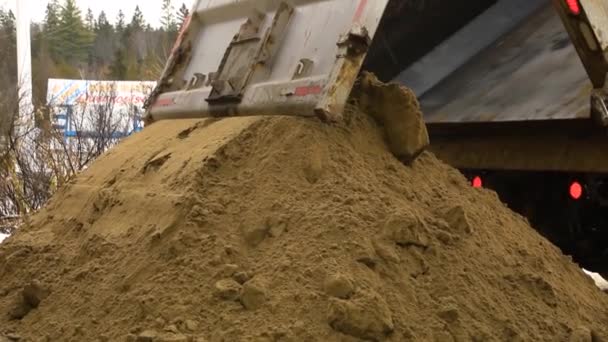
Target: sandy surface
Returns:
[285, 229]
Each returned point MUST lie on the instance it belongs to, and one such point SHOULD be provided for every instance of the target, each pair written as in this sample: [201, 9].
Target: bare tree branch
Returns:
[35, 160]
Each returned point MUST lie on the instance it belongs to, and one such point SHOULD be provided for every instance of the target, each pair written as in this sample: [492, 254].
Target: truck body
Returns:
[517, 117]
[513, 90]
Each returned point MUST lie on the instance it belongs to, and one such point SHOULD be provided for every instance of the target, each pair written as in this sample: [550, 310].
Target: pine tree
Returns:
[102, 24]
[7, 22]
[90, 20]
[8, 52]
[118, 68]
[51, 17]
[167, 19]
[43, 65]
[75, 40]
[105, 41]
[120, 22]
[137, 21]
[51, 26]
[182, 15]
[90, 26]
[8, 28]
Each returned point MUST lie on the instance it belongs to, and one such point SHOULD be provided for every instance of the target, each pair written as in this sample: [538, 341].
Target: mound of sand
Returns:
[284, 229]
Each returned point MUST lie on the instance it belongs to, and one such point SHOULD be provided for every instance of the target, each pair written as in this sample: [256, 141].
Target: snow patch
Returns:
[599, 281]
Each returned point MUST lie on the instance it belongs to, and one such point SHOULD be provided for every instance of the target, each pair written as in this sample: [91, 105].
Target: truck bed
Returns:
[532, 73]
[520, 104]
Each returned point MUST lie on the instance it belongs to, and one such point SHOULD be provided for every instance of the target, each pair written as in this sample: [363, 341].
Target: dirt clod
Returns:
[253, 294]
[406, 229]
[397, 109]
[227, 289]
[255, 234]
[581, 334]
[241, 277]
[172, 328]
[147, 336]
[458, 219]
[339, 286]
[173, 338]
[13, 337]
[366, 316]
[190, 325]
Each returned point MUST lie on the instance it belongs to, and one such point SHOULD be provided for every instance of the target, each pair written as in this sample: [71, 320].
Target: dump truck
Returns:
[513, 91]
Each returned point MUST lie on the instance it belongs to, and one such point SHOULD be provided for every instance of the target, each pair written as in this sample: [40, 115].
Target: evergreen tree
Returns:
[51, 17]
[43, 65]
[182, 14]
[7, 22]
[137, 21]
[50, 33]
[120, 22]
[90, 20]
[8, 30]
[105, 41]
[167, 20]
[118, 68]
[8, 52]
[102, 24]
[69, 40]
[74, 41]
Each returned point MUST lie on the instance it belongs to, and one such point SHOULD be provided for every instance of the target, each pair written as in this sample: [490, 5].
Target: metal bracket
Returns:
[599, 109]
[248, 51]
[356, 42]
[197, 81]
[303, 68]
[352, 50]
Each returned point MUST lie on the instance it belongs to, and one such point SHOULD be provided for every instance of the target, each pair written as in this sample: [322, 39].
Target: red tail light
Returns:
[477, 182]
[574, 7]
[576, 190]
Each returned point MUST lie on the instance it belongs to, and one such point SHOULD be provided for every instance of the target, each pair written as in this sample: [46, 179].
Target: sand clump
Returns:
[285, 229]
[396, 108]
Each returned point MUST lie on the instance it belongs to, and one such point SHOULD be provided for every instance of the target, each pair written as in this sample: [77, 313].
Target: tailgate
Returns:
[257, 57]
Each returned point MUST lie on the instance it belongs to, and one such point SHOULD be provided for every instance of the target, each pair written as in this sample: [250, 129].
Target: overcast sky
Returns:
[150, 8]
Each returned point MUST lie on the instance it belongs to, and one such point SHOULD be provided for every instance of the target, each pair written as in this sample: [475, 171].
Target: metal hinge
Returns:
[247, 54]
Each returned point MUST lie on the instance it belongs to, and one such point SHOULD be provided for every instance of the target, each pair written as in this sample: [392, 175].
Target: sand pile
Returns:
[284, 229]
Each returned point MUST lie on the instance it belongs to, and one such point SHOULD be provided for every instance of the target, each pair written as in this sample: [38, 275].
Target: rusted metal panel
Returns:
[538, 152]
[267, 57]
[597, 14]
[579, 27]
[531, 74]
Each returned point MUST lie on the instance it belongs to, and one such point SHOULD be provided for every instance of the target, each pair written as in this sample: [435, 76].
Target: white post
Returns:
[24, 61]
